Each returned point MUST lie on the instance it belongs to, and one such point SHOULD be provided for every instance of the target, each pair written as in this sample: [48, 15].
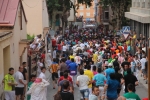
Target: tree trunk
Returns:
[54, 19]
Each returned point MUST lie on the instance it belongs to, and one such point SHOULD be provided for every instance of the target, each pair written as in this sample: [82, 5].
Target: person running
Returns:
[111, 87]
[63, 65]
[119, 78]
[99, 80]
[94, 70]
[60, 85]
[131, 95]
[109, 71]
[65, 94]
[95, 93]
[73, 67]
[9, 84]
[82, 83]
[54, 70]
[130, 78]
[89, 73]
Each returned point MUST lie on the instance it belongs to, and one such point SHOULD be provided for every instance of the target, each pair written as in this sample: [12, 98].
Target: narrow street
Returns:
[141, 89]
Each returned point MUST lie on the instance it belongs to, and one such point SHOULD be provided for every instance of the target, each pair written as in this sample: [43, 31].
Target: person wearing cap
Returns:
[37, 90]
[109, 70]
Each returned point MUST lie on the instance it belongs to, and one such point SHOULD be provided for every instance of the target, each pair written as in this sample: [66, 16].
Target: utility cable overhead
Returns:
[30, 6]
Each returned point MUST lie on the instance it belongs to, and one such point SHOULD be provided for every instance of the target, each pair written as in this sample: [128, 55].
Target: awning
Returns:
[143, 18]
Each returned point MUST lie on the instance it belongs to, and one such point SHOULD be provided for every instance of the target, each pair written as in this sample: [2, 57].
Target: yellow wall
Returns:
[13, 53]
[37, 16]
[6, 59]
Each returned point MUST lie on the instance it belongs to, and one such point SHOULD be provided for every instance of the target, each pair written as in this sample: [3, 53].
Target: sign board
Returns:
[126, 31]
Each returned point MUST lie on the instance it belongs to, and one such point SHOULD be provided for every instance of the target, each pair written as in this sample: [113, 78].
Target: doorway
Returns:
[6, 59]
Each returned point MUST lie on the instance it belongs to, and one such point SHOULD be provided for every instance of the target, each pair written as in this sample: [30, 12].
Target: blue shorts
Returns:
[85, 93]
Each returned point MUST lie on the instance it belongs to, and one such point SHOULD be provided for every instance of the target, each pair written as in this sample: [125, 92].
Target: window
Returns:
[81, 13]
[138, 3]
[143, 3]
[87, 14]
[148, 4]
[106, 15]
[81, 7]
[88, 8]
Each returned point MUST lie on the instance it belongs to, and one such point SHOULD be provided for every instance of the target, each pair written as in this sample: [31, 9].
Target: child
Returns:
[32, 78]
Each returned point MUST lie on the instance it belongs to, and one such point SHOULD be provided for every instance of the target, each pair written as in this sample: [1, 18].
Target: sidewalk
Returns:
[142, 81]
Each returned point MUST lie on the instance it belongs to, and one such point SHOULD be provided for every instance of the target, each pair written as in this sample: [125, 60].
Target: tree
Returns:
[58, 8]
[118, 7]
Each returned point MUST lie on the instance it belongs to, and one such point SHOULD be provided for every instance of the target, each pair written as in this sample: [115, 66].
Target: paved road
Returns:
[141, 90]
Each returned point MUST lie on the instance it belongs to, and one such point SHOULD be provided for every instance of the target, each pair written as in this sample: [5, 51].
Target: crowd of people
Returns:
[99, 63]
[105, 61]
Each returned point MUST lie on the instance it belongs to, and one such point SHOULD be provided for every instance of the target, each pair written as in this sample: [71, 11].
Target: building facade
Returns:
[37, 15]
[139, 16]
[88, 13]
[12, 36]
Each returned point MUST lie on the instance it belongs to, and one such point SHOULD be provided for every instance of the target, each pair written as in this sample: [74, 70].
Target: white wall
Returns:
[45, 17]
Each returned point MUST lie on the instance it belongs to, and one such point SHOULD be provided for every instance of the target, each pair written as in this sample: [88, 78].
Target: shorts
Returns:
[144, 71]
[85, 93]
[54, 75]
[19, 90]
[9, 95]
[101, 89]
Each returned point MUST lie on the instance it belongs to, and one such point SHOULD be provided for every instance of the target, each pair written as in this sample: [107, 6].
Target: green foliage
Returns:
[119, 7]
[30, 37]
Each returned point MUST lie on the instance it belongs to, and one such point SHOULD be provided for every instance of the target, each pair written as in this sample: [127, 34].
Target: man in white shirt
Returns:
[64, 48]
[42, 74]
[40, 65]
[54, 53]
[82, 83]
[78, 59]
[19, 89]
[95, 93]
[143, 61]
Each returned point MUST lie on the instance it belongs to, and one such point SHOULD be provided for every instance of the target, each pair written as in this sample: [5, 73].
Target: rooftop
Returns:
[8, 10]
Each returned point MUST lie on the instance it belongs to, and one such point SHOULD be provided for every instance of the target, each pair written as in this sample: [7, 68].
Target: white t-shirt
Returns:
[18, 75]
[39, 67]
[78, 59]
[42, 76]
[143, 60]
[93, 97]
[64, 48]
[82, 45]
[54, 54]
[97, 45]
[83, 81]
